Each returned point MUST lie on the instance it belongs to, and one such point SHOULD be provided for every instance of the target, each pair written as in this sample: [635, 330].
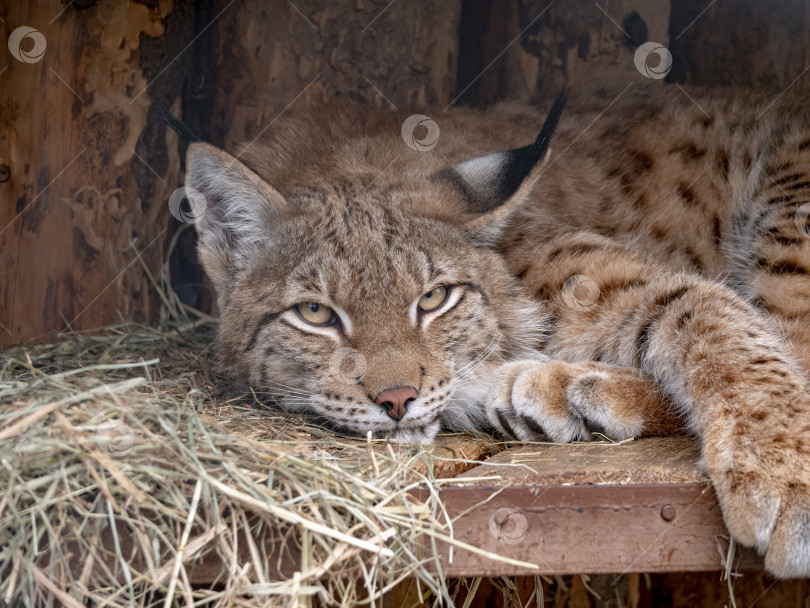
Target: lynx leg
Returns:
[718, 358]
[568, 401]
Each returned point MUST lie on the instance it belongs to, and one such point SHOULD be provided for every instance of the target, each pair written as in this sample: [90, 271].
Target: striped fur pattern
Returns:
[651, 275]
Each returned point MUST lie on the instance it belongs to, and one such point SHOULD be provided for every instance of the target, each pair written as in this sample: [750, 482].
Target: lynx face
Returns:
[374, 303]
[364, 316]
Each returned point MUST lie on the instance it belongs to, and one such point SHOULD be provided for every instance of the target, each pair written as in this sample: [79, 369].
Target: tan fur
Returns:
[566, 401]
[652, 275]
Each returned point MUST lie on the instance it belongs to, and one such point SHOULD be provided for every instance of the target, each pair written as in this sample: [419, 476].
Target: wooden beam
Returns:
[588, 529]
[640, 506]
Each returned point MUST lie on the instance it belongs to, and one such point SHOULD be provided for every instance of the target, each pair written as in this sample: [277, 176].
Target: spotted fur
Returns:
[651, 274]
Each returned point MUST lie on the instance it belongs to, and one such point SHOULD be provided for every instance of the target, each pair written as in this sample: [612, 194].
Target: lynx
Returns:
[649, 274]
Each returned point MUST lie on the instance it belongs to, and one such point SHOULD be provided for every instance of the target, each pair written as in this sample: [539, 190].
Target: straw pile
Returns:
[131, 471]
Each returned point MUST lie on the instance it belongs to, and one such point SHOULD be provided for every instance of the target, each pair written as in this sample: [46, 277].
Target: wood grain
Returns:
[742, 44]
[648, 461]
[529, 49]
[278, 55]
[593, 529]
[595, 524]
[90, 171]
[639, 506]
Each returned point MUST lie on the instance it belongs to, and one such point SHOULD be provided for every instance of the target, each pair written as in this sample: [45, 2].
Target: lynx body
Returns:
[651, 274]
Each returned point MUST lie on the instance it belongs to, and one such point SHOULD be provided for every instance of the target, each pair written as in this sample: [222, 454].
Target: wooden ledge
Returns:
[654, 460]
[640, 506]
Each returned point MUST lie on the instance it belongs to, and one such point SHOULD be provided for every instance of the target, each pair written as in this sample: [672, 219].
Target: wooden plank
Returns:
[717, 44]
[588, 529]
[276, 56]
[642, 506]
[638, 506]
[89, 172]
[530, 53]
[653, 460]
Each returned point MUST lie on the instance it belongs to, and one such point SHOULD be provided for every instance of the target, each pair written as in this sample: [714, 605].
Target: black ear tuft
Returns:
[181, 128]
[540, 145]
[489, 181]
[521, 161]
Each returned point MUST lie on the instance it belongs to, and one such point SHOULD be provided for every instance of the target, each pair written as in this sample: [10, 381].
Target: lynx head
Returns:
[367, 296]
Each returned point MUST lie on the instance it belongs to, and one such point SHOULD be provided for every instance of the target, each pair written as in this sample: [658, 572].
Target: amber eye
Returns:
[433, 299]
[315, 313]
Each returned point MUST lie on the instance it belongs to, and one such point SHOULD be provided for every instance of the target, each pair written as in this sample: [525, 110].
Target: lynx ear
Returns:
[496, 185]
[238, 211]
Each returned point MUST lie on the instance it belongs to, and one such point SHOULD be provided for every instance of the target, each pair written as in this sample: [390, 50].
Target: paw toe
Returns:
[600, 416]
[789, 552]
[751, 511]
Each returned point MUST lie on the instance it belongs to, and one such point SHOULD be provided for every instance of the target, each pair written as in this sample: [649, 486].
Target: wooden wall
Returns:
[528, 49]
[84, 172]
[276, 54]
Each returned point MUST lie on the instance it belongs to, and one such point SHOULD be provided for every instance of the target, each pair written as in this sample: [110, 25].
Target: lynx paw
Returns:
[561, 401]
[764, 490]
[789, 550]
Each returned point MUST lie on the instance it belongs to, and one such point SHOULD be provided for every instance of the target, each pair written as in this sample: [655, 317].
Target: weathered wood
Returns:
[89, 171]
[567, 516]
[744, 44]
[594, 529]
[277, 54]
[642, 506]
[528, 49]
[654, 460]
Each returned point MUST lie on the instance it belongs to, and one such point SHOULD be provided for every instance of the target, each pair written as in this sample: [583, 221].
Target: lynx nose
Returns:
[396, 400]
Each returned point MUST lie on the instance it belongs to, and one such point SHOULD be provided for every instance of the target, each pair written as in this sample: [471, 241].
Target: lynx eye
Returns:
[315, 313]
[433, 299]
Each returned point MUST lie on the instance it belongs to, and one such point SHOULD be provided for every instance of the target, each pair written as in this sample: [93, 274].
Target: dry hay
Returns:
[132, 471]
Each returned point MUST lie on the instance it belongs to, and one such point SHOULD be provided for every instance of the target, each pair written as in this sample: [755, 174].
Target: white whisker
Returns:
[280, 389]
[488, 350]
[472, 367]
[289, 398]
[478, 362]
[291, 389]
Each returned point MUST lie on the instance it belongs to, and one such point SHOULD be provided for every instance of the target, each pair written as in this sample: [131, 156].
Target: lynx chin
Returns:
[648, 276]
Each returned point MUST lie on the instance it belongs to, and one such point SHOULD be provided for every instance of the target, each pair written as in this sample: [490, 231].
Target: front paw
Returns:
[763, 483]
[567, 401]
[529, 402]
[788, 554]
